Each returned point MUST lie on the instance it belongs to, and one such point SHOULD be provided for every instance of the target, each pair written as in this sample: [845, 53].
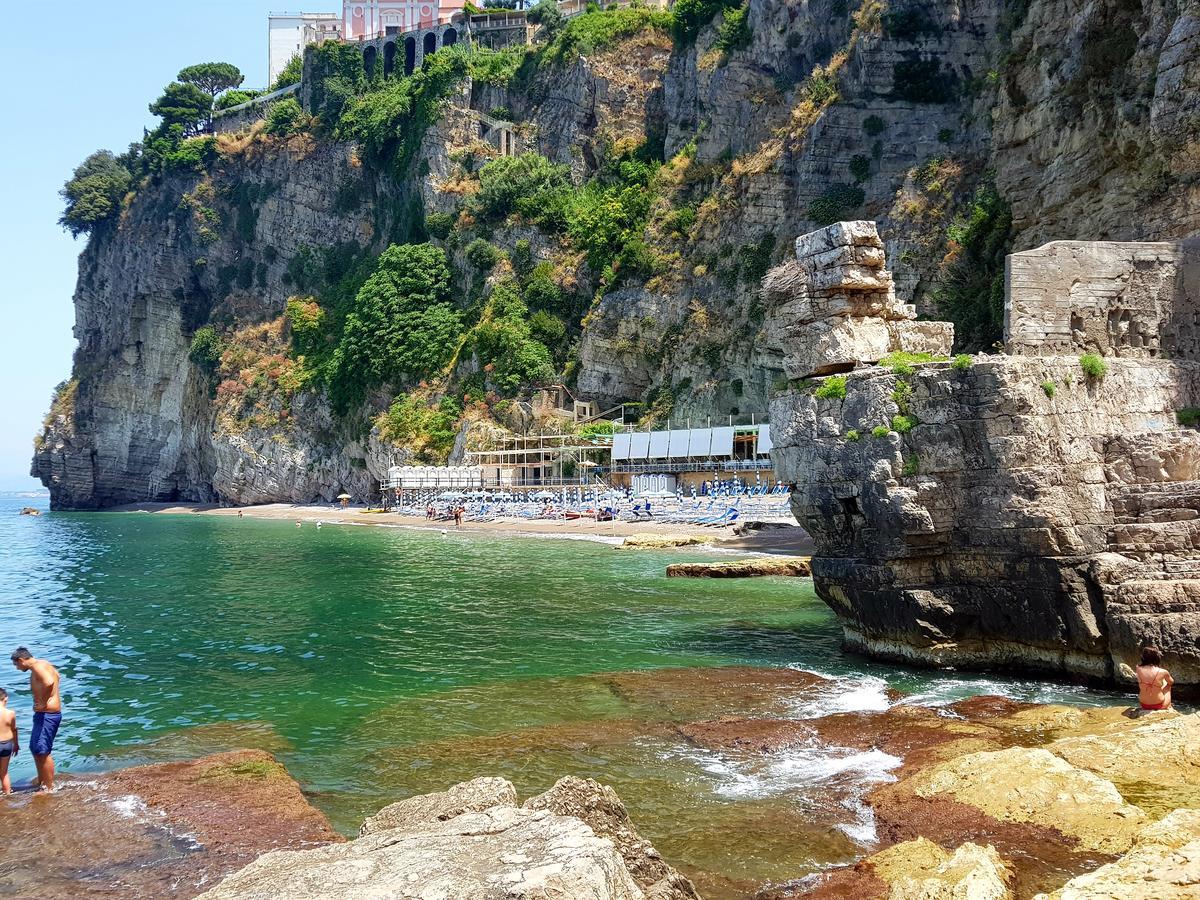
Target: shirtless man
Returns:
[47, 713]
[1154, 682]
[10, 741]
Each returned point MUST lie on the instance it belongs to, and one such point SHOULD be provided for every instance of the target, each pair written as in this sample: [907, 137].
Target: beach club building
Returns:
[665, 460]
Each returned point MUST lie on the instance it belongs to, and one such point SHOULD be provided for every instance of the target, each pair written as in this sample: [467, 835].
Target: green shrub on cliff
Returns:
[880, 431]
[969, 287]
[734, 33]
[903, 424]
[962, 362]
[832, 388]
[838, 202]
[286, 117]
[206, 349]
[482, 255]
[428, 430]
[401, 326]
[390, 121]
[1093, 365]
[1049, 388]
[594, 31]
[528, 184]
[94, 193]
[690, 17]
[504, 342]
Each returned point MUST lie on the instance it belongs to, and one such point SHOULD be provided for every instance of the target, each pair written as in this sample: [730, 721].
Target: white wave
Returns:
[862, 830]
[130, 807]
[793, 770]
[854, 693]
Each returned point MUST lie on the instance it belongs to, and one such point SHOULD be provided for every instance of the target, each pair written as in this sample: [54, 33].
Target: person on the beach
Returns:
[47, 713]
[10, 742]
[1154, 682]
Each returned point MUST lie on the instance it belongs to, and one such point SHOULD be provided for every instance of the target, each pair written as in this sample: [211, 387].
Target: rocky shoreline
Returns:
[986, 797]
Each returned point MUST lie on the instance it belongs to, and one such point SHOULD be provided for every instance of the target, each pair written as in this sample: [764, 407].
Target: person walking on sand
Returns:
[47, 713]
[1154, 682]
[10, 742]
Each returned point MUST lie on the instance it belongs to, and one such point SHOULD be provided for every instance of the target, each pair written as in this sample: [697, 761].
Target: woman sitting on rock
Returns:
[1154, 682]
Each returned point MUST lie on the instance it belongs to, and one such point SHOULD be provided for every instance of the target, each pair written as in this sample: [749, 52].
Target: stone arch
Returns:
[410, 55]
[389, 58]
[370, 59]
[429, 43]
[449, 37]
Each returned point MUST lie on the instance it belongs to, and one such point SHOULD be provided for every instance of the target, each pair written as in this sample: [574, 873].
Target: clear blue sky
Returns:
[70, 90]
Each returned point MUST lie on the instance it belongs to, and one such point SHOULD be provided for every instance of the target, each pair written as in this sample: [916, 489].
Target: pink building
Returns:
[375, 18]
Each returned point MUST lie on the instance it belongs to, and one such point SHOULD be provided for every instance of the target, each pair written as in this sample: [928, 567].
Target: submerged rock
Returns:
[163, 830]
[664, 541]
[794, 566]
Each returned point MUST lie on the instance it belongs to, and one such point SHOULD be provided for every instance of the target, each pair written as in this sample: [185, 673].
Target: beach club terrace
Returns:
[673, 458]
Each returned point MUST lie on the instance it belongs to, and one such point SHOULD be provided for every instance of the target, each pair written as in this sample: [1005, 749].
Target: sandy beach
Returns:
[785, 541]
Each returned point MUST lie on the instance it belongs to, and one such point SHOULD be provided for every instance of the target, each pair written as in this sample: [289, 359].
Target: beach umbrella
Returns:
[345, 497]
[544, 495]
[449, 495]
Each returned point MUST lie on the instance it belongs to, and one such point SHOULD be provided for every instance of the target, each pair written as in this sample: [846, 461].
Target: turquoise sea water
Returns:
[380, 662]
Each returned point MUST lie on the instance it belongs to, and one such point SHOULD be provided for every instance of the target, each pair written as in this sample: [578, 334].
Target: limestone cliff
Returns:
[1032, 511]
[1083, 115]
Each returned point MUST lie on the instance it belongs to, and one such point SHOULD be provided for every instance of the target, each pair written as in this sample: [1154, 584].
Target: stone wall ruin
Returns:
[1134, 299]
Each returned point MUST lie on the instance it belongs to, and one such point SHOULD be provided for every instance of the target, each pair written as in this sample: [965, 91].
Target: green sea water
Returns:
[378, 662]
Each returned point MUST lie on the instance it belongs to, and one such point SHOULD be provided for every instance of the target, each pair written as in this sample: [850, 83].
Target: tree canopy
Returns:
[402, 324]
[94, 192]
[213, 77]
[183, 104]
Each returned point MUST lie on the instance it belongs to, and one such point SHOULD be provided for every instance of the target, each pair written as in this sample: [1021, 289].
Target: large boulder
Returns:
[574, 842]
[921, 870]
[476, 795]
[599, 806]
[501, 854]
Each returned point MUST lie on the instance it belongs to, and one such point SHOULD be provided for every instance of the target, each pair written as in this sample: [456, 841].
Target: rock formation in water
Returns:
[1038, 509]
[1071, 120]
[574, 841]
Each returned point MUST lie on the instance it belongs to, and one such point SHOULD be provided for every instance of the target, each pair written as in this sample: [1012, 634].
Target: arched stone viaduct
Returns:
[404, 53]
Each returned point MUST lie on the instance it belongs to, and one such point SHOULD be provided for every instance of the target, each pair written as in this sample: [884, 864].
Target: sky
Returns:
[82, 88]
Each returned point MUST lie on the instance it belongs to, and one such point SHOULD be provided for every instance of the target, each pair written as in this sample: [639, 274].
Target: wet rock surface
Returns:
[162, 830]
[792, 567]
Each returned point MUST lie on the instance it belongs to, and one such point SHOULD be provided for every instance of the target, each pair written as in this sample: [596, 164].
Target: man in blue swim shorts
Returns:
[47, 713]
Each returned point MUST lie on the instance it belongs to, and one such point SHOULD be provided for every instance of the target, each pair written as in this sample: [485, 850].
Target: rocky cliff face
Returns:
[1025, 511]
[1083, 113]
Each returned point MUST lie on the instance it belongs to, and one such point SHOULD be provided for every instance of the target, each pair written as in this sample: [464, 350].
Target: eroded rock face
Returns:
[835, 305]
[1005, 527]
[476, 795]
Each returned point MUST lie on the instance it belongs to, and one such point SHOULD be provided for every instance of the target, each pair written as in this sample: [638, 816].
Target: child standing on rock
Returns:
[9, 743]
